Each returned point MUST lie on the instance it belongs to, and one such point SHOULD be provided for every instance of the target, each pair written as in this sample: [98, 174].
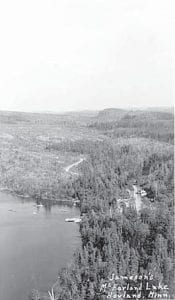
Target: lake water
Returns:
[35, 243]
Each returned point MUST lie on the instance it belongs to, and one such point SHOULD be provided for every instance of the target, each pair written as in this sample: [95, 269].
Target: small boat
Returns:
[76, 201]
[70, 219]
[39, 205]
[75, 220]
[34, 213]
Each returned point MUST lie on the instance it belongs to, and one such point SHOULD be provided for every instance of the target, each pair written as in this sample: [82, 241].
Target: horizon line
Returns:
[86, 109]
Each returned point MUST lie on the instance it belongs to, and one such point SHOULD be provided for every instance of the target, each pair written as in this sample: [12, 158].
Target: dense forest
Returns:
[152, 125]
[137, 149]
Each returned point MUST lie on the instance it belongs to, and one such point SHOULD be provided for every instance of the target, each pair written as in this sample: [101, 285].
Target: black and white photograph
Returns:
[87, 149]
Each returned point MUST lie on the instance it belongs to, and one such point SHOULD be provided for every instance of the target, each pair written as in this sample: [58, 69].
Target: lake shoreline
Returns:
[8, 191]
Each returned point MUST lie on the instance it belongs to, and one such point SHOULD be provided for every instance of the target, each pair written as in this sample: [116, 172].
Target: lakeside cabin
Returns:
[139, 191]
[143, 193]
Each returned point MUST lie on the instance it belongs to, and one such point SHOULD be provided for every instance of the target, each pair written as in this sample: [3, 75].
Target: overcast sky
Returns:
[58, 55]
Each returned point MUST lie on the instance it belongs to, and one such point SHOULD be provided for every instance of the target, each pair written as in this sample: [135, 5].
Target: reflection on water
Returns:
[35, 243]
[48, 205]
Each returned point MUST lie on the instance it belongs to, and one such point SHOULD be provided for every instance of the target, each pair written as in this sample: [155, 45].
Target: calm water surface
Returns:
[35, 243]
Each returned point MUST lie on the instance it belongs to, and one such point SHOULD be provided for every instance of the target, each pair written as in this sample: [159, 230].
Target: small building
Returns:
[143, 193]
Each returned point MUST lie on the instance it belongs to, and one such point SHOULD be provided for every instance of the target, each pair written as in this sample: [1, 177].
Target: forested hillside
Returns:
[117, 239]
[149, 124]
[124, 246]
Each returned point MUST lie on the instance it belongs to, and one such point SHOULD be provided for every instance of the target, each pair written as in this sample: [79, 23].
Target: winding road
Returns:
[68, 168]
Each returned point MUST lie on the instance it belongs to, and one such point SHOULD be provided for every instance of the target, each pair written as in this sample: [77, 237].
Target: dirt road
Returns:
[68, 168]
[137, 198]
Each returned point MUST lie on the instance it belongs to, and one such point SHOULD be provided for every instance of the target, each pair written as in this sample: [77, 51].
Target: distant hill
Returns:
[66, 118]
[111, 114]
[115, 114]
